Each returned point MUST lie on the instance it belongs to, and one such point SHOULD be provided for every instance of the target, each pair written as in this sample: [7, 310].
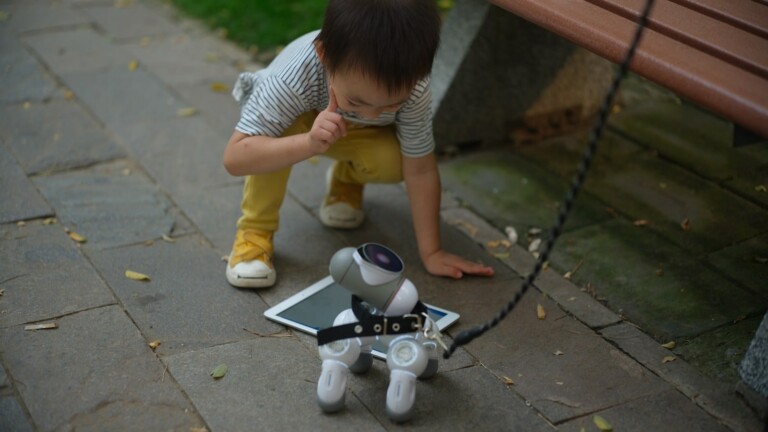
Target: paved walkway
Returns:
[113, 117]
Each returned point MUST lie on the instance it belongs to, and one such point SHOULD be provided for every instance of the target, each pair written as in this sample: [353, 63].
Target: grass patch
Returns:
[262, 26]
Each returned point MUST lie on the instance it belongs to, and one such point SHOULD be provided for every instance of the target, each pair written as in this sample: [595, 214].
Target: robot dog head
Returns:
[372, 271]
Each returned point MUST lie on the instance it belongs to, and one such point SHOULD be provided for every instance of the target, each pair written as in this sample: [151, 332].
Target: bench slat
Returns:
[715, 37]
[723, 88]
[745, 13]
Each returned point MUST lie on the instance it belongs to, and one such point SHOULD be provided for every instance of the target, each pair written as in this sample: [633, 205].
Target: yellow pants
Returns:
[367, 155]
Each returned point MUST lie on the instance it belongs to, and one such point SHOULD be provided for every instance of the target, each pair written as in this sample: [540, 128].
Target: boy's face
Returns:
[360, 94]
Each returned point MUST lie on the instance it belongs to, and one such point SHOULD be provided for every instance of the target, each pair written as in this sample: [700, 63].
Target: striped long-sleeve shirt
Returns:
[295, 83]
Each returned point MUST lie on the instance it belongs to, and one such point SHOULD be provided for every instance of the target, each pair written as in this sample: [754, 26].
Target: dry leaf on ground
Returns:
[685, 224]
[154, 344]
[42, 326]
[507, 380]
[133, 65]
[76, 237]
[186, 112]
[130, 274]
[669, 345]
[668, 359]
[540, 312]
[558, 353]
[219, 371]
[511, 234]
[219, 87]
[602, 424]
[534, 246]
[641, 223]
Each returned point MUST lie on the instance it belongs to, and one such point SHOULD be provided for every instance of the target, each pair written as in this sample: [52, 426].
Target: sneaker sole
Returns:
[250, 282]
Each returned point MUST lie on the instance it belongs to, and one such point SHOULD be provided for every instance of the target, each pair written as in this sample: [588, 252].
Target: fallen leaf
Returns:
[602, 424]
[149, 242]
[186, 112]
[468, 227]
[761, 260]
[219, 87]
[668, 359]
[145, 41]
[501, 255]
[507, 380]
[761, 188]
[559, 382]
[663, 185]
[641, 223]
[130, 274]
[540, 312]
[511, 234]
[27, 105]
[49, 221]
[669, 345]
[42, 326]
[69, 94]
[133, 65]
[219, 371]
[534, 231]
[76, 237]
[685, 224]
[534, 246]
[558, 353]
[2, 292]
[21, 223]
[154, 344]
[168, 239]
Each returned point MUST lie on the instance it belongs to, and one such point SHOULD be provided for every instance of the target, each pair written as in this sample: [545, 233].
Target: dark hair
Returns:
[391, 41]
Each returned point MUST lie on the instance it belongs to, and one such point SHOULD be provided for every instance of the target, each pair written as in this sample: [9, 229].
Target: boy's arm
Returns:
[255, 154]
[422, 180]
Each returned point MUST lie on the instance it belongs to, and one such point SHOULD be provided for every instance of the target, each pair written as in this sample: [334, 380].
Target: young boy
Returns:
[357, 92]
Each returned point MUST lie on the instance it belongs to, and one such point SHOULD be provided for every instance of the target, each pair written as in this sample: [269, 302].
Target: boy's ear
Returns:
[319, 50]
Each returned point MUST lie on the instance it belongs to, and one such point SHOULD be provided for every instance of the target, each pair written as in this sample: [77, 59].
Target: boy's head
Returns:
[391, 42]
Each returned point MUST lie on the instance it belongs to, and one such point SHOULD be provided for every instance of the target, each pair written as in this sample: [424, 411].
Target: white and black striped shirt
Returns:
[295, 83]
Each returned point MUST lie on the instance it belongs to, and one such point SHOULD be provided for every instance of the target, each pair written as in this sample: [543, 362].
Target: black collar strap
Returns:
[374, 325]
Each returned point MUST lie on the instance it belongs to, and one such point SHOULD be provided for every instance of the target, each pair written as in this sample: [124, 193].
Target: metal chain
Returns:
[468, 336]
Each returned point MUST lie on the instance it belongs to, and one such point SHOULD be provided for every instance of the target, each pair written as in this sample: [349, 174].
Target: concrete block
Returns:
[98, 371]
[270, 385]
[134, 20]
[40, 15]
[23, 77]
[77, 50]
[491, 58]
[111, 205]
[745, 262]
[21, 199]
[12, 417]
[219, 108]
[121, 97]
[45, 275]
[187, 304]
[55, 135]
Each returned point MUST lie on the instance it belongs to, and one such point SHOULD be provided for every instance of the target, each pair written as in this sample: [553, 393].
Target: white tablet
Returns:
[316, 306]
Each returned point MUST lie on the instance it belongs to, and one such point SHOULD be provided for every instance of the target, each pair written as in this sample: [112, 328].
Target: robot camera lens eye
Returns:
[381, 257]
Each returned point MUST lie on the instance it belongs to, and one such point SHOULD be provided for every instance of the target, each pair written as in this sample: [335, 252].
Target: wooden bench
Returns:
[711, 52]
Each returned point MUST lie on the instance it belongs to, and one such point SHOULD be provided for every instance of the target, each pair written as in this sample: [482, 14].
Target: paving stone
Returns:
[21, 199]
[183, 59]
[141, 96]
[98, 371]
[134, 20]
[745, 262]
[559, 365]
[182, 154]
[668, 410]
[44, 275]
[718, 400]
[40, 14]
[687, 135]
[187, 304]
[651, 281]
[5, 383]
[218, 226]
[270, 385]
[503, 186]
[665, 195]
[468, 399]
[718, 353]
[55, 135]
[77, 50]
[219, 108]
[12, 417]
[23, 78]
[109, 207]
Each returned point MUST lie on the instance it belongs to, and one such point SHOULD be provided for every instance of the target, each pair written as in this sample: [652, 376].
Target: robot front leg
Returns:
[337, 358]
[407, 359]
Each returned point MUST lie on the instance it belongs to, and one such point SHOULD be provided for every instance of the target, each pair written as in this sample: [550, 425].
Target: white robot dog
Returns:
[385, 307]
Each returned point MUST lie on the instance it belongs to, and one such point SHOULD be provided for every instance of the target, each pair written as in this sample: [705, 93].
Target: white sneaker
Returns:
[343, 202]
[250, 262]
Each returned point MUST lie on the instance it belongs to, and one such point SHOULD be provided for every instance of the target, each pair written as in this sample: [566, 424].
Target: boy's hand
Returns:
[329, 126]
[442, 263]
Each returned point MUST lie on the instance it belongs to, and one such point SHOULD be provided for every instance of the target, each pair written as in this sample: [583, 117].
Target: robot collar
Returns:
[374, 324]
